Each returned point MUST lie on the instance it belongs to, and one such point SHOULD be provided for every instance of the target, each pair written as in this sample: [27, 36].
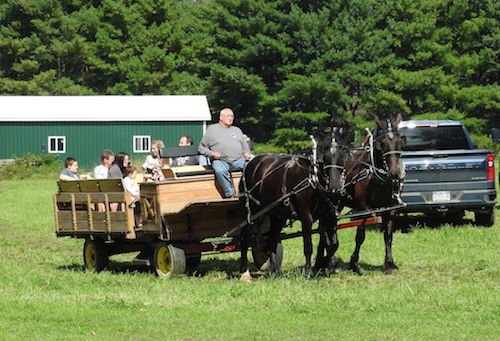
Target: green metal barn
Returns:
[82, 126]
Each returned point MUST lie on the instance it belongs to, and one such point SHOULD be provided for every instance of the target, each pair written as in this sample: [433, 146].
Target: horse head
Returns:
[333, 152]
[387, 143]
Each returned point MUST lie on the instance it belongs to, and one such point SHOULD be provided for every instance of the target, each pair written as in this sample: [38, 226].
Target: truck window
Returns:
[434, 138]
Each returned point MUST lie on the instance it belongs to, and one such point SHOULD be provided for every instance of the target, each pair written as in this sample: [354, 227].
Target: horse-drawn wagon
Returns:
[182, 217]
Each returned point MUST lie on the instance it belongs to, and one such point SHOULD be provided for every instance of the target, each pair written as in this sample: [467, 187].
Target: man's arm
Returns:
[245, 147]
[203, 146]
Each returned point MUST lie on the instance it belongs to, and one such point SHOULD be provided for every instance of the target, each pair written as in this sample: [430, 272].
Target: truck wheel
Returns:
[168, 260]
[455, 217]
[95, 256]
[261, 257]
[485, 218]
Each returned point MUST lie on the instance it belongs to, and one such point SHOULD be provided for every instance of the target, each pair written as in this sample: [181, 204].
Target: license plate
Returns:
[441, 196]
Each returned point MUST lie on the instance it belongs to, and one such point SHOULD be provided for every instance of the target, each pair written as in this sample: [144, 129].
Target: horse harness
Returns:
[312, 180]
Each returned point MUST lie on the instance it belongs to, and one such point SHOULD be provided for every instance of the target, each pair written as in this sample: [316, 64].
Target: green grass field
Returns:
[447, 288]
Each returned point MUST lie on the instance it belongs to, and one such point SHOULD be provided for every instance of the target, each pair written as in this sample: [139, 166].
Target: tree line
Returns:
[286, 67]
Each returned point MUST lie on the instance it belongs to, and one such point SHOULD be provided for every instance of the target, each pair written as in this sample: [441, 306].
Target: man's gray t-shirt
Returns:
[227, 141]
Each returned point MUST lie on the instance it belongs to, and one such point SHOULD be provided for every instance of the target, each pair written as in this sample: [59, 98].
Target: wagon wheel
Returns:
[168, 260]
[193, 260]
[261, 257]
[95, 256]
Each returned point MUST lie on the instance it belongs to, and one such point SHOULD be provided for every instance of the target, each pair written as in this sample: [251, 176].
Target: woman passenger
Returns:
[122, 161]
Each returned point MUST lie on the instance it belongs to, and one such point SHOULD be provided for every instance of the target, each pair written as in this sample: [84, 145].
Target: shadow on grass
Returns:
[227, 268]
[406, 223]
[115, 267]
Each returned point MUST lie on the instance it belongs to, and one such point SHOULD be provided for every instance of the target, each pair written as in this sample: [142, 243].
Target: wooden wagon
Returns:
[182, 217]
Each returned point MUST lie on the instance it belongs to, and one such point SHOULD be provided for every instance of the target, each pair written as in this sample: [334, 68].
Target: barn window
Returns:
[57, 144]
[142, 144]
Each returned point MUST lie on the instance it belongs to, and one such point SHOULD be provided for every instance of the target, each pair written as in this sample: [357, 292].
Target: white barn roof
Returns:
[103, 108]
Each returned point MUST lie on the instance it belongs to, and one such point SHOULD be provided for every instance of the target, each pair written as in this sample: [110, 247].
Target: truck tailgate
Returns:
[445, 166]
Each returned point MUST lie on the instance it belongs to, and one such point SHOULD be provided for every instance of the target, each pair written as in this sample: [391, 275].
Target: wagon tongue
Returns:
[369, 213]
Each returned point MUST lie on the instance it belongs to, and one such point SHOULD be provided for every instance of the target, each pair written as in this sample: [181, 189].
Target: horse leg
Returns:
[307, 238]
[333, 264]
[272, 243]
[319, 262]
[360, 238]
[244, 271]
[328, 241]
[388, 220]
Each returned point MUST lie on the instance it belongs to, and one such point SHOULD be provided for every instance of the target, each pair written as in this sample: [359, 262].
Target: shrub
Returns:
[260, 148]
[31, 165]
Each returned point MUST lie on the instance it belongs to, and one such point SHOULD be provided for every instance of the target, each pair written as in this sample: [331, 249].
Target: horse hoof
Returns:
[390, 270]
[334, 270]
[356, 269]
[246, 277]
[309, 273]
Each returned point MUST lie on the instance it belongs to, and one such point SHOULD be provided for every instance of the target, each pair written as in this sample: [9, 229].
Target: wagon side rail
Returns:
[91, 208]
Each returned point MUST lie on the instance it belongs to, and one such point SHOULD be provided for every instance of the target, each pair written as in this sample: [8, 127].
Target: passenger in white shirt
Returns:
[107, 158]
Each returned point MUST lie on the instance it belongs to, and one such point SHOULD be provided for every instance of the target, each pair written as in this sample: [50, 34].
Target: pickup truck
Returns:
[445, 173]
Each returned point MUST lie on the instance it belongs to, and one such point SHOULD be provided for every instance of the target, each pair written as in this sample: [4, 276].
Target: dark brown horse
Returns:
[372, 180]
[290, 187]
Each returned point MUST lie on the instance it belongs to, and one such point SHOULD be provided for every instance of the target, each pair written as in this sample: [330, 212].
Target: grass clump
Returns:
[31, 166]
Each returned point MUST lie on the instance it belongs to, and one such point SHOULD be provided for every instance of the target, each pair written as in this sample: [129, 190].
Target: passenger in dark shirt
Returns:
[117, 169]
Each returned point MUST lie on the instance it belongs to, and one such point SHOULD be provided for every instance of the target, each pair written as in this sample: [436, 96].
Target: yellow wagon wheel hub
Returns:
[90, 258]
[164, 260]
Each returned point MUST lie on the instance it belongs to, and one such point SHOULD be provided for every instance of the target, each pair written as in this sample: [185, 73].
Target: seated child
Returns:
[70, 171]
[153, 164]
[130, 186]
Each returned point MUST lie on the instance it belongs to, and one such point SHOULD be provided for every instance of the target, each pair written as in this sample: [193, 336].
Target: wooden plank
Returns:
[90, 206]
[108, 215]
[69, 186]
[82, 198]
[99, 221]
[82, 221]
[120, 221]
[89, 186]
[73, 211]
[204, 220]
[65, 220]
[151, 228]
[64, 197]
[111, 185]
[56, 211]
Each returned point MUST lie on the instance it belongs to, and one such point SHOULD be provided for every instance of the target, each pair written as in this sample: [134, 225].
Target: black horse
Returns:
[373, 176]
[290, 187]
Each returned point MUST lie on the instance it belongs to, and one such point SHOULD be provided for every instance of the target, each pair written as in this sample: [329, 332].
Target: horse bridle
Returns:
[390, 134]
[316, 165]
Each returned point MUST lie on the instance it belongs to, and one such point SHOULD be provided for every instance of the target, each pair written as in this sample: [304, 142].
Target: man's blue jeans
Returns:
[222, 169]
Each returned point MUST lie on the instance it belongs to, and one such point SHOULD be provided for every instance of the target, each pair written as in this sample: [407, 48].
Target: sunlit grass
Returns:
[447, 288]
